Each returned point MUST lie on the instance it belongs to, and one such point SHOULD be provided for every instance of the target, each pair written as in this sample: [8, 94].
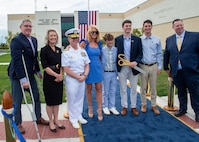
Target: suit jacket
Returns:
[21, 45]
[188, 55]
[135, 51]
[104, 57]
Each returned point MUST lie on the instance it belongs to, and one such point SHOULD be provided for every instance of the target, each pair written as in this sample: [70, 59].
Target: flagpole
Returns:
[88, 13]
[35, 5]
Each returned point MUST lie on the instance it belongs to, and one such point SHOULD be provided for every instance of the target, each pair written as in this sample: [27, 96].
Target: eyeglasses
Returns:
[94, 32]
[27, 26]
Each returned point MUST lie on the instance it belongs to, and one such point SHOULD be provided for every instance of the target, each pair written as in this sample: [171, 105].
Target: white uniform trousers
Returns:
[109, 86]
[75, 98]
[124, 74]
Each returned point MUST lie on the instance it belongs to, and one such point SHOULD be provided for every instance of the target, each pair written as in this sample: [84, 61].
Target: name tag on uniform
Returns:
[72, 57]
[83, 54]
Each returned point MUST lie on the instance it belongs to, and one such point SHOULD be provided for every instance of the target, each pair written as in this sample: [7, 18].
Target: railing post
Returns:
[171, 93]
[8, 108]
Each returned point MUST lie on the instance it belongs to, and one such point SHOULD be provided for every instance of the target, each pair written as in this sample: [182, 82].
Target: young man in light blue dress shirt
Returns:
[151, 63]
[109, 55]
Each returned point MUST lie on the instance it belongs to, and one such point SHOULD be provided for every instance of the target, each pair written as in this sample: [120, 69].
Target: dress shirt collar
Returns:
[182, 35]
[145, 37]
[129, 37]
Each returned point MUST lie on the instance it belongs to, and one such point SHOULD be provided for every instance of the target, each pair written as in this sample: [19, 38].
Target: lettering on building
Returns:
[48, 22]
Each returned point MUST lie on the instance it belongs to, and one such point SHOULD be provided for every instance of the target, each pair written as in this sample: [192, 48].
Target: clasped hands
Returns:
[81, 78]
[58, 78]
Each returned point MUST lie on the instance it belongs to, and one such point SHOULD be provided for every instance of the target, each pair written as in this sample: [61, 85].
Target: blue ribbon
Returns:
[14, 126]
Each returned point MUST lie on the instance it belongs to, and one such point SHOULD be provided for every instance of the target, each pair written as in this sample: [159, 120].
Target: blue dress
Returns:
[95, 72]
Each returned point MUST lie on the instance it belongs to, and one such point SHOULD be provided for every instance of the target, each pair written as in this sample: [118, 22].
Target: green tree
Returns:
[136, 32]
[3, 46]
[9, 38]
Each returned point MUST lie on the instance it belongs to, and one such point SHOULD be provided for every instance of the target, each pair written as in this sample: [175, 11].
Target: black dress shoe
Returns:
[180, 113]
[60, 127]
[197, 118]
[53, 130]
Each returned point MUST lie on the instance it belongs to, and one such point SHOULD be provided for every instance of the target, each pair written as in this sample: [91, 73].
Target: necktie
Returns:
[32, 45]
[179, 43]
[179, 46]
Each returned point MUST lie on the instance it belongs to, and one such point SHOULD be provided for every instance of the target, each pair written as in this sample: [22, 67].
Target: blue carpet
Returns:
[147, 127]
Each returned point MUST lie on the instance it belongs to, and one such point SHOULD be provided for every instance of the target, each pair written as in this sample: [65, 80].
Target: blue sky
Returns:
[65, 6]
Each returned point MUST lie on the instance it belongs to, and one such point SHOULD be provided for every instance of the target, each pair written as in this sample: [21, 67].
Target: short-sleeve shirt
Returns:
[75, 59]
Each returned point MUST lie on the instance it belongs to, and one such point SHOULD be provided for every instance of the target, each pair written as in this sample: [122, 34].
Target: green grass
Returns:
[162, 82]
[5, 58]
[4, 79]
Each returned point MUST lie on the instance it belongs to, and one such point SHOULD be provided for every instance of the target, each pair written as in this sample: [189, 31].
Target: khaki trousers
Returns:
[151, 77]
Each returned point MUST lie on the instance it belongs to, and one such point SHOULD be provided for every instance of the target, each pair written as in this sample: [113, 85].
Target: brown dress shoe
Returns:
[134, 111]
[42, 121]
[143, 108]
[155, 110]
[21, 129]
[66, 115]
[124, 111]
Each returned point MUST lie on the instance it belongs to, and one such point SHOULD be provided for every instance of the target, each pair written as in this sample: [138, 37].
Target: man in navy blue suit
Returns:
[182, 54]
[131, 47]
[24, 44]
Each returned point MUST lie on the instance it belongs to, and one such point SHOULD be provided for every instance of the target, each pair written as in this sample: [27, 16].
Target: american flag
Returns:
[86, 18]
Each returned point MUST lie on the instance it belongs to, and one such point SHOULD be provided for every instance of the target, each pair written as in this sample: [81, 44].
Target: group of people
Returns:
[87, 62]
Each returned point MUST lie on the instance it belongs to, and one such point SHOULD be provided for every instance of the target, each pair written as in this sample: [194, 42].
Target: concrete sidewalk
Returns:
[27, 117]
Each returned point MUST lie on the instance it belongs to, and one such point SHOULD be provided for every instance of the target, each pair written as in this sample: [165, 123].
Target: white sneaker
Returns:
[83, 121]
[114, 111]
[106, 111]
[75, 125]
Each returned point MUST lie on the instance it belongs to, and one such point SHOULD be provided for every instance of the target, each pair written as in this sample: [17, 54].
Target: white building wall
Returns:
[45, 20]
[111, 25]
[165, 12]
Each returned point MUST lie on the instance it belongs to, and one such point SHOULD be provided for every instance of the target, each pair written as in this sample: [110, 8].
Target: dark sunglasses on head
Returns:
[94, 32]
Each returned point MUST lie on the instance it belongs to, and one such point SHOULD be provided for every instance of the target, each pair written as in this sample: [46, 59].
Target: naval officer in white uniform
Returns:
[75, 63]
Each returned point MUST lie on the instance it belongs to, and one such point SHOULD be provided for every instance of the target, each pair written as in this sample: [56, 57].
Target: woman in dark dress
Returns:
[53, 79]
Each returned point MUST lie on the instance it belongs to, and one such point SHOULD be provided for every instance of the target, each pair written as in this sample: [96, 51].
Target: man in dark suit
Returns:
[26, 45]
[131, 47]
[182, 54]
